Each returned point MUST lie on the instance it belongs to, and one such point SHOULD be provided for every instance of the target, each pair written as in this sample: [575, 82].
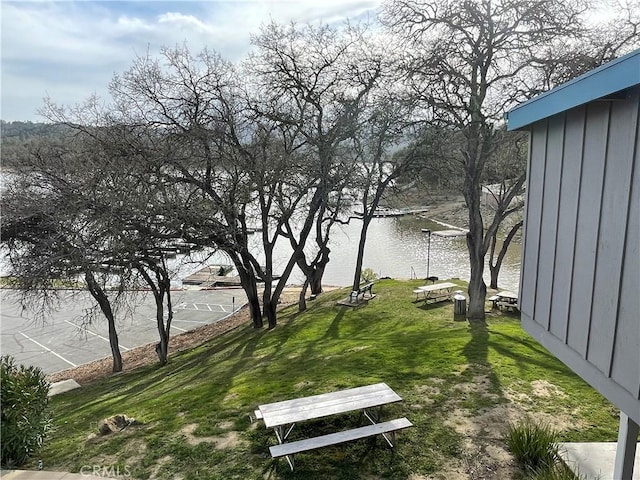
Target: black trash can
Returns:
[459, 304]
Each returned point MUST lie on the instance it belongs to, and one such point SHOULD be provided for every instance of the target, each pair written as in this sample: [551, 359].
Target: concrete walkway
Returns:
[591, 461]
[42, 475]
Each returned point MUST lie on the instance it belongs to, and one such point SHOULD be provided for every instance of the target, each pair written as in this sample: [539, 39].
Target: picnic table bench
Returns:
[436, 292]
[362, 289]
[505, 301]
[283, 416]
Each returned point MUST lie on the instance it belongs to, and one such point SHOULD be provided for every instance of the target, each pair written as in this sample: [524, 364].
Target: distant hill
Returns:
[15, 138]
[10, 131]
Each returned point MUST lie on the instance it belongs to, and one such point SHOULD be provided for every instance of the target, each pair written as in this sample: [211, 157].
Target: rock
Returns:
[115, 423]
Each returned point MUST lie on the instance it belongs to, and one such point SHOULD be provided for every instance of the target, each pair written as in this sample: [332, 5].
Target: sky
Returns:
[69, 50]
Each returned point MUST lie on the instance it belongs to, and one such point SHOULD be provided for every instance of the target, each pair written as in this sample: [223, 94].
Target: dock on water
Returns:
[449, 233]
[213, 276]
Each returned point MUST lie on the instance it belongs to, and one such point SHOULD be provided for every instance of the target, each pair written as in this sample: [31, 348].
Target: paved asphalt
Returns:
[61, 341]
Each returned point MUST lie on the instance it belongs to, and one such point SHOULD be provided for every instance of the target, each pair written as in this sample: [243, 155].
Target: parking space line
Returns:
[172, 325]
[86, 330]
[48, 349]
[212, 307]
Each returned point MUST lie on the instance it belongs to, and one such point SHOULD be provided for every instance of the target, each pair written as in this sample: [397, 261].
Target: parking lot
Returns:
[61, 339]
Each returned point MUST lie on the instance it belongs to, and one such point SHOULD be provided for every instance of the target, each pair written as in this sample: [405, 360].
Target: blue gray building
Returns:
[580, 277]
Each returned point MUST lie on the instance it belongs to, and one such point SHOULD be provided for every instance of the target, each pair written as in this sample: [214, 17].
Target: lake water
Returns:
[397, 248]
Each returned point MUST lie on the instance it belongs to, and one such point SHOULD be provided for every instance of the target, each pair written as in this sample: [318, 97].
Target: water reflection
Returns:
[396, 247]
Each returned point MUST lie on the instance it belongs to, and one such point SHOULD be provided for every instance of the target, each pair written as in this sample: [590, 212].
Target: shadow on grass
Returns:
[430, 306]
[418, 351]
[476, 351]
[534, 354]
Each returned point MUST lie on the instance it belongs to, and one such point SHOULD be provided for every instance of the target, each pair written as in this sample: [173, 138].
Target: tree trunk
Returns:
[475, 237]
[317, 272]
[313, 274]
[270, 312]
[495, 268]
[162, 348]
[366, 220]
[302, 302]
[250, 286]
[101, 297]
[477, 288]
[113, 343]
[492, 269]
[160, 288]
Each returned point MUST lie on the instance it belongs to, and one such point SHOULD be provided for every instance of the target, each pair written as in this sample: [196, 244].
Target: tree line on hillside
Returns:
[192, 150]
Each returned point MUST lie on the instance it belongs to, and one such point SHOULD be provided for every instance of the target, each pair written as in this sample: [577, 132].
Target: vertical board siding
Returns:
[549, 219]
[625, 368]
[567, 214]
[582, 288]
[612, 233]
[580, 279]
[538, 141]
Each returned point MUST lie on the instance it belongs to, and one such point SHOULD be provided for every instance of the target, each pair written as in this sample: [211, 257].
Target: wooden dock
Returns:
[449, 233]
[209, 276]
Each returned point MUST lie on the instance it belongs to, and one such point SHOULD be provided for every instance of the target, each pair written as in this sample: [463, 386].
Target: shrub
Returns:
[368, 275]
[535, 446]
[25, 414]
[557, 472]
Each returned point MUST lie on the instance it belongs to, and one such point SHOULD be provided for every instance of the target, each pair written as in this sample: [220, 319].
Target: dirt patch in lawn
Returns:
[231, 439]
[543, 388]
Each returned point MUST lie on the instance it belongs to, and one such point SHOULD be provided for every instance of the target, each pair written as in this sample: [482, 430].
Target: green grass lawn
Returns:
[461, 385]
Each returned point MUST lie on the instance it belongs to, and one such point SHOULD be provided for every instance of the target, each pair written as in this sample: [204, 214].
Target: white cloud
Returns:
[70, 49]
[185, 22]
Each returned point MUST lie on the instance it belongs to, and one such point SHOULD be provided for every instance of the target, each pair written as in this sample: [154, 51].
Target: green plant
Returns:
[558, 472]
[25, 414]
[368, 275]
[441, 369]
[534, 445]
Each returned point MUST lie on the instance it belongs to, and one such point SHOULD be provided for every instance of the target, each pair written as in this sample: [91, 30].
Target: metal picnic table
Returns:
[283, 416]
[436, 292]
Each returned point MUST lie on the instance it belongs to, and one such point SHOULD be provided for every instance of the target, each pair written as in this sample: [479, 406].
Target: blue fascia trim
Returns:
[612, 77]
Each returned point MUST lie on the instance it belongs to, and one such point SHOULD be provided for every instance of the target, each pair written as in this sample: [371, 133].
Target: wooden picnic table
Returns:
[436, 292]
[283, 416]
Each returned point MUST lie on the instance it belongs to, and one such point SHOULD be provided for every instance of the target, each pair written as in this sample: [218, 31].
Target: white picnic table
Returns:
[505, 299]
[436, 292]
[283, 416]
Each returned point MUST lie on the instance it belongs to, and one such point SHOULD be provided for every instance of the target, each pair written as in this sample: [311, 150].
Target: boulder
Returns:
[115, 423]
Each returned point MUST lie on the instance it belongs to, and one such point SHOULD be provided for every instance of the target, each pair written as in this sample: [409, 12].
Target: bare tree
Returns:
[386, 147]
[53, 233]
[190, 108]
[469, 63]
[315, 81]
[504, 193]
[613, 30]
